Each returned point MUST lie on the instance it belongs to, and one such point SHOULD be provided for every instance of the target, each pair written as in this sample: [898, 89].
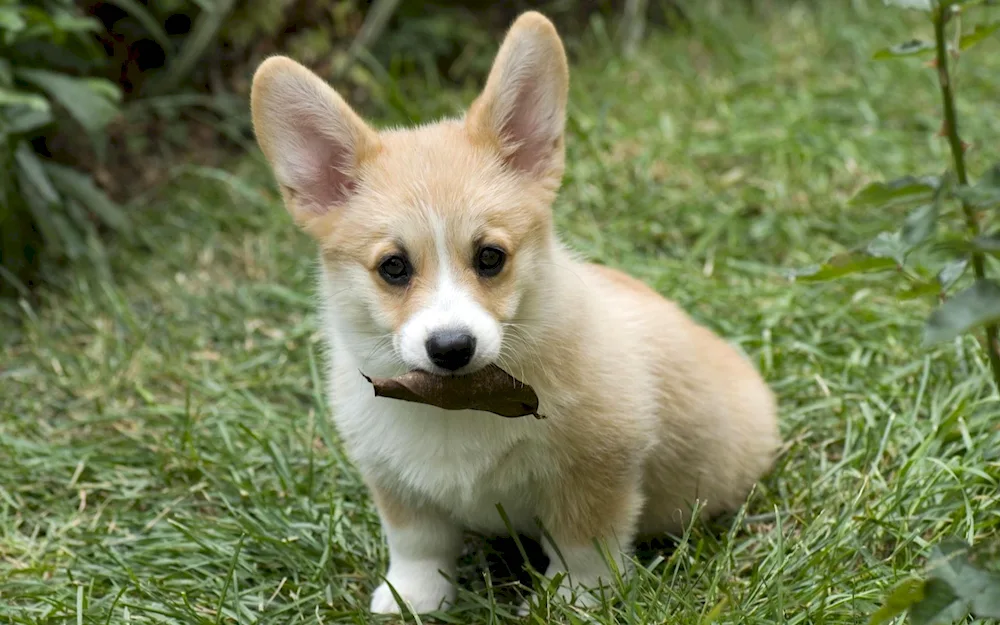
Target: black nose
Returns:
[451, 349]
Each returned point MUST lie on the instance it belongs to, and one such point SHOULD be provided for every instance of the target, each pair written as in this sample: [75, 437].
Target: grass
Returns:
[165, 455]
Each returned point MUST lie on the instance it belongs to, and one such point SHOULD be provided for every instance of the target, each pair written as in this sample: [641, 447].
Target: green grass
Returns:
[165, 454]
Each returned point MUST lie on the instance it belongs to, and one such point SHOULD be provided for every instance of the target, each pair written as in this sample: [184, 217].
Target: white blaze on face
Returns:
[450, 309]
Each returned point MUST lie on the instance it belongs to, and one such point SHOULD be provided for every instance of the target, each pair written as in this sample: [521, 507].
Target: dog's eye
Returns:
[490, 261]
[395, 270]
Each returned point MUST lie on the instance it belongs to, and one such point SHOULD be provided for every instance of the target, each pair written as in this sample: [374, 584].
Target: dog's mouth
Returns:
[489, 389]
[473, 368]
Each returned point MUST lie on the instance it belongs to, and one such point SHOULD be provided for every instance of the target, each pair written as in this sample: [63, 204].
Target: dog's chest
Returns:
[466, 462]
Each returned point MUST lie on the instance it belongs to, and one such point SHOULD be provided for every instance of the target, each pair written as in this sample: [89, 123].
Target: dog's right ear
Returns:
[522, 109]
[313, 140]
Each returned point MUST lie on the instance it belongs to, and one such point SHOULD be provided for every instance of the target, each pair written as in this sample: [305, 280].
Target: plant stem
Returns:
[958, 154]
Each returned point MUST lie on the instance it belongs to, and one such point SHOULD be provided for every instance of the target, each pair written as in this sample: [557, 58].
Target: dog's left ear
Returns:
[522, 109]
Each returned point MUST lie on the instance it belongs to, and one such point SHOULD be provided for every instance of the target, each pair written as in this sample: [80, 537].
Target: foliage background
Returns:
[127, 87]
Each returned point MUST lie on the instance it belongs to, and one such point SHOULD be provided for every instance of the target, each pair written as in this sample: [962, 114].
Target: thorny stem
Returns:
[941, 16]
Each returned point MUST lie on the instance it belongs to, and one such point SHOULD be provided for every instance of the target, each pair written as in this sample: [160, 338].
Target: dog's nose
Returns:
[451, 349]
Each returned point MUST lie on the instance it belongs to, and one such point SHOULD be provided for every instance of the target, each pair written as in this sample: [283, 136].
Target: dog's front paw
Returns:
[423, 592]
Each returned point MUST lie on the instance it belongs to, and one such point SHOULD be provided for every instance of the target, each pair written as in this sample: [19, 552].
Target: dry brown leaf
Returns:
[490, 389]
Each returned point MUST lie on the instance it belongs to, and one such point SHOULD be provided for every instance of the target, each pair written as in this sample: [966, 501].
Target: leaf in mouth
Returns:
[491, 389]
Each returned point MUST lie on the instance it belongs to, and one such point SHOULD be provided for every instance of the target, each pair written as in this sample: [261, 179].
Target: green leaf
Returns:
[947, 559]
[40, 24]
[66, 22]
[919, 289]
[987, 604]
[980, 32]
[978, 197]
[940, 605]
[11, 97]
[977, 590]
[991, 177]
[85, 99]
[80, 186]
[975, 306]
[988, 244]
[23, 121]
[889, 245]
[11, 22]
[920, 224]
[902, 597]
[42, 213]
[842, 265]
[951, 272]
[22, 112]
[957, 245]
[986, 192]
[34, 173]
[109, 90]
[906, 189]
[72, 243]
[907, 48]
[985, 593]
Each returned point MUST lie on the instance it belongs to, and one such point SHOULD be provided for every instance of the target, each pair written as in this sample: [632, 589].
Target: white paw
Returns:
[424, 591]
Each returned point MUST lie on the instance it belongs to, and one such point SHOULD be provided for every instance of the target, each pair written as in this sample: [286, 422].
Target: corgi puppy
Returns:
[437, 252]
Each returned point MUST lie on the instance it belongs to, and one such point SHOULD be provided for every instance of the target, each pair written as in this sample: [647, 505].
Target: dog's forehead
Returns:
[437, 160]
[437, 172]
[432, 184]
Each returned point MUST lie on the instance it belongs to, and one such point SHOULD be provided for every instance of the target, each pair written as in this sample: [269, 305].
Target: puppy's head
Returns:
[431, 236]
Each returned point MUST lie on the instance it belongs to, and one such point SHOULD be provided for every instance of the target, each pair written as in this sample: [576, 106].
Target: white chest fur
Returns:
[466, 462]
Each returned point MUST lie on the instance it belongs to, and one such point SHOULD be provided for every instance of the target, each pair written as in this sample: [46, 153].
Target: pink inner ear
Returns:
[322, 174]
[527, 130]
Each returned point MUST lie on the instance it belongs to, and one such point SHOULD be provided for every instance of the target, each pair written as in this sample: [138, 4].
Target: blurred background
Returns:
[100, 100]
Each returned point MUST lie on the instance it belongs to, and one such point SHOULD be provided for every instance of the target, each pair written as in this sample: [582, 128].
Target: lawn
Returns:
[165, 451]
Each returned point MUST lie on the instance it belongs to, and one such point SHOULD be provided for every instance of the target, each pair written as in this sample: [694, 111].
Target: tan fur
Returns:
[392, 508]
[648, 411]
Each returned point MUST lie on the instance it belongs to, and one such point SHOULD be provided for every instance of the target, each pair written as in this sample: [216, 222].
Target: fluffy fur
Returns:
[648, 412]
